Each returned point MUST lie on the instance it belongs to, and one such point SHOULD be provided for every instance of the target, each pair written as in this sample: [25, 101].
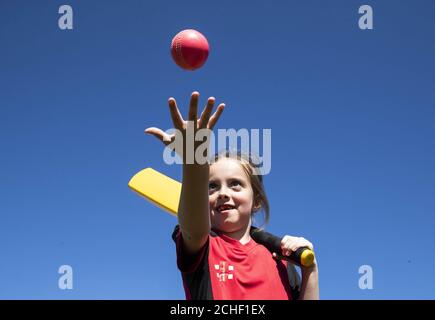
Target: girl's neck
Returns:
[243, 235]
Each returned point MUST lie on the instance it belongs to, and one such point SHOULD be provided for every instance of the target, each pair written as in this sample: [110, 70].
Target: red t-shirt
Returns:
[225, 269]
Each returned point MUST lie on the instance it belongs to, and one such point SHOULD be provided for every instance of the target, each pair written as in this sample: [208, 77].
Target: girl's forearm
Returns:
[193, 212]
[310, 284]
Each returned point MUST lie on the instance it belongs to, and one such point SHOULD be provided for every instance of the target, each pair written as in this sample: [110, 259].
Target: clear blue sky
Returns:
[352, 114]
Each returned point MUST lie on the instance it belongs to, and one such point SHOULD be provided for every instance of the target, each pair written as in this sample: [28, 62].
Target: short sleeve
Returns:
[188, 263]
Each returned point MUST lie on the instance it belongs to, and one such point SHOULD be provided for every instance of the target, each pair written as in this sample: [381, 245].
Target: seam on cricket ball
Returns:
[179, 52]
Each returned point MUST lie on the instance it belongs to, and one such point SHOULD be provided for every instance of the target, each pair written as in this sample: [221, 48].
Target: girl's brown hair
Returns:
[250, 167]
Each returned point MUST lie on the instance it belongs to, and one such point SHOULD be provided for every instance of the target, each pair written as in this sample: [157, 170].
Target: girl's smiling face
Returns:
[230, 196]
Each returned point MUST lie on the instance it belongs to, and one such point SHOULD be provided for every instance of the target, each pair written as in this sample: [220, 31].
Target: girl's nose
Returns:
[223, 193]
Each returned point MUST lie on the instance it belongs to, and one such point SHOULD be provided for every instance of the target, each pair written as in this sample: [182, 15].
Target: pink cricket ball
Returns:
[189, 49]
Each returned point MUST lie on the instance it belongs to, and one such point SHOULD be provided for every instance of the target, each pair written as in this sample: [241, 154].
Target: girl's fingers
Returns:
[302, 242]
[177, 119]
[215, 117]
[285, 245]
[289, 244]
[286, 252]
[310, 245]
[205, 115]
[160, 134]
[193, 107]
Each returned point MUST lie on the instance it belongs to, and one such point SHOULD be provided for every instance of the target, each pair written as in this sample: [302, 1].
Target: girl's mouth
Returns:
[224, 208]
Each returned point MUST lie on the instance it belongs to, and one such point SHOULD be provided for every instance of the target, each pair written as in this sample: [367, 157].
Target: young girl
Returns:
[215, 252]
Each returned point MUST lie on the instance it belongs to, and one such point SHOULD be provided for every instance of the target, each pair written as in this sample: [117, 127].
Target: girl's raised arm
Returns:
[193, 209]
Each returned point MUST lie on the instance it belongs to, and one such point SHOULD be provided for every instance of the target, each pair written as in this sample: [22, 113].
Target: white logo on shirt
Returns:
[223, 274]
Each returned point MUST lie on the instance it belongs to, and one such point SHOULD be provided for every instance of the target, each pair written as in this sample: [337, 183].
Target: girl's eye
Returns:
[212, 186]
[235, 183]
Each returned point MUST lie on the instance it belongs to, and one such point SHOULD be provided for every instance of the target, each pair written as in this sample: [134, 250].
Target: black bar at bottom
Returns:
[173, 309]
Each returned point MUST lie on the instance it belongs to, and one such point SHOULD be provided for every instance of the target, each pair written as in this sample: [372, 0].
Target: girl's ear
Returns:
[257, 205]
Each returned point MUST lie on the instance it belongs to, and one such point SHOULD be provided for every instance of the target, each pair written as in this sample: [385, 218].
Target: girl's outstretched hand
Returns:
[205, 121]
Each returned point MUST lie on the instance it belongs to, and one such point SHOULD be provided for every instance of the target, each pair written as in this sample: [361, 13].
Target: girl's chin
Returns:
[224, 224]
[227, 224]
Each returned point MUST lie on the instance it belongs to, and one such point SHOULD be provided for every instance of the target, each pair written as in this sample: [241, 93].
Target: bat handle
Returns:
[303, 256]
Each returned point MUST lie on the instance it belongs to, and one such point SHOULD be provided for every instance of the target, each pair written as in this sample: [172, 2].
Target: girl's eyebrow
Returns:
[230, 178]
[238, 177]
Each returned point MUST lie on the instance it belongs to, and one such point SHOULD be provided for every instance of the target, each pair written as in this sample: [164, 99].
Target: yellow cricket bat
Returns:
[157, 188]
[164, 192]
